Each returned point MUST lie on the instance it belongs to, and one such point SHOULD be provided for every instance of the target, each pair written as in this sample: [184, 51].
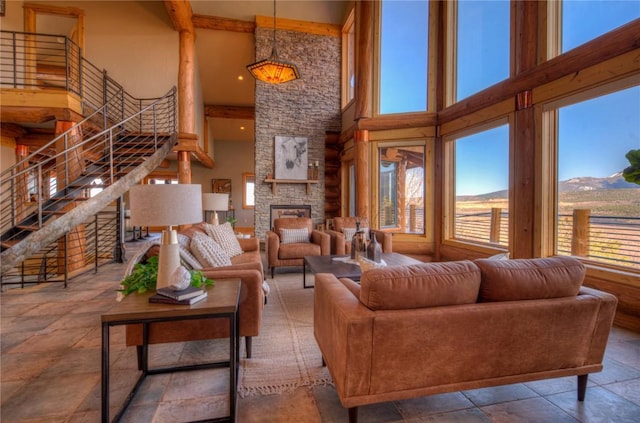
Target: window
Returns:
[598, 212]
[482, 50]
[481, 199]
[403, 56]
[348, 59]
[248, 190]
[402, 188]
[583, 21]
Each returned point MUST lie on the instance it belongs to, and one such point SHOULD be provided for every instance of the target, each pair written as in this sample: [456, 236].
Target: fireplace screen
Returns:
[279, 212]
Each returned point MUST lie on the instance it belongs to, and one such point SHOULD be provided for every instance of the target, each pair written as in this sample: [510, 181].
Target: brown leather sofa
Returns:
[339, 244]
[248, 267]
[281, 254]
[431, 328]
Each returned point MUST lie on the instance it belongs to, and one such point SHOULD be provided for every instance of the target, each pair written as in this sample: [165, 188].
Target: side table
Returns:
[221, 303]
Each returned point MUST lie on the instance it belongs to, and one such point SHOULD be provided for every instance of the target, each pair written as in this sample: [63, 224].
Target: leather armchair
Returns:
[291, 254]
[339, 244]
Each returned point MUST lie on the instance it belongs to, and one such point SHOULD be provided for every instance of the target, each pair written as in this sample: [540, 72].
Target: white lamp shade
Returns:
[165, 204]
[215, 202]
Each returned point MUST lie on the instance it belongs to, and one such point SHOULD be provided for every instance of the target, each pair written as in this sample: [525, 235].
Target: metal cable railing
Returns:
[608, 239]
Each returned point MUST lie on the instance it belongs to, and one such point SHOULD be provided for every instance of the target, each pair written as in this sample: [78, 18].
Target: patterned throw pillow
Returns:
[208, 252]
[350, 232]
[292, 236]
[187, 259]
[223, 235]
[184, 240]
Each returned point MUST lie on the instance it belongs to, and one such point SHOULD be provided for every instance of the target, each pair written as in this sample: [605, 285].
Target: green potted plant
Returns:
[144, 275]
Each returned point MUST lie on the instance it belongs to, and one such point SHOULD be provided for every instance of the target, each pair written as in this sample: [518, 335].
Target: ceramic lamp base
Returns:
[168, 258]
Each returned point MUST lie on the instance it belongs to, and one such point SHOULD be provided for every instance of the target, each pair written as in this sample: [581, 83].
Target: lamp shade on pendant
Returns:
[274, 71]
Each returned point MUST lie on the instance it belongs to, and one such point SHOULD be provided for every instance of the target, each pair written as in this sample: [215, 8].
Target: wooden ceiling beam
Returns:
[11, 130]
[230, 112]
[180, 14]
[299, 26]
[223, 24]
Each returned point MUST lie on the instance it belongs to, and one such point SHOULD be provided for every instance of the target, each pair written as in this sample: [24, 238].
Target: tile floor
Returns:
[50, 372]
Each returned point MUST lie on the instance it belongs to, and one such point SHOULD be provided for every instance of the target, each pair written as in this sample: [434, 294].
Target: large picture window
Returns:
[481, 200]
[403, 56]
[402, 188]
[598, 212]
[583, 21]
[482, 50]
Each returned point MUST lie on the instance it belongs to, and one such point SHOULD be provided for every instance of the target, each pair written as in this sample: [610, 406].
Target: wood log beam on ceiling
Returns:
[223, 24]
[230, 112]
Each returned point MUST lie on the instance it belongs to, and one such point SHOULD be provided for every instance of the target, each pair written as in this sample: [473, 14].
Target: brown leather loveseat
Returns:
[246, 266]
[431, 328]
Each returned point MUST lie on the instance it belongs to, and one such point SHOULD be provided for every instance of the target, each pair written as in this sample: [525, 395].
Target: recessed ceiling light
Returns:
[242, 128]
[240, 78]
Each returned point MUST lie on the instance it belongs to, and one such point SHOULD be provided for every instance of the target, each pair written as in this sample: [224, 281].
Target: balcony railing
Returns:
[609, 239]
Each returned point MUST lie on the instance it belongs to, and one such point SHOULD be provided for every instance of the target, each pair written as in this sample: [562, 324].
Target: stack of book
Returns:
[188, 296]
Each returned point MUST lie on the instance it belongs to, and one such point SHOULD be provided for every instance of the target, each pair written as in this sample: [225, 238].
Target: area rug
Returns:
[285, 355]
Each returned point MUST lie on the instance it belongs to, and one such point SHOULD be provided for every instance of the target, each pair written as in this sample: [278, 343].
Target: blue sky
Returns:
[594, 135]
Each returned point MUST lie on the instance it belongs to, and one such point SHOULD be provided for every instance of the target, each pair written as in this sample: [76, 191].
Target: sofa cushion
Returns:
[223, 235]
[292, 236]
[208, 252]
[297, 251]
[530, 279]
[420, 285]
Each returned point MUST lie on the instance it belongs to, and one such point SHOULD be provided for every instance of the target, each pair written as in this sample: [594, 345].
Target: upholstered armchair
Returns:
[291, 240]
[343, 230]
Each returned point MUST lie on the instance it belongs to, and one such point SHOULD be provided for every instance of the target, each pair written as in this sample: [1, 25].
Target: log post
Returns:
[21, 196]
[494, 232]
[69, 166]
[362, 146]
[580, 233]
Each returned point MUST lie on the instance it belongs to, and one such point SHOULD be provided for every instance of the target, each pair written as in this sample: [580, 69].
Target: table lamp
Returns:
[166, 205]
[215, 202]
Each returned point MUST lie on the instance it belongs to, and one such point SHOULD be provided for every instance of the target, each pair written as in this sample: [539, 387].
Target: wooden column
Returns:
[363, 59]
[21, 197]
[522, 203]
[186, 102]
[580, 233]
[361, 160]
[69, 166]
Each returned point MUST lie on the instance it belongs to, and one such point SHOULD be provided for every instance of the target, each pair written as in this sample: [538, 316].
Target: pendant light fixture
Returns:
[272, 70]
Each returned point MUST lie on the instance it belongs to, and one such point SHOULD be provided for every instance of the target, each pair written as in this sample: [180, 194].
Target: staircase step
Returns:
[31, 228]
[9, 243]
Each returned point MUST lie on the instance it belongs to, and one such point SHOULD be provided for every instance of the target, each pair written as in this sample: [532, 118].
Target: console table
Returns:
[221, 303]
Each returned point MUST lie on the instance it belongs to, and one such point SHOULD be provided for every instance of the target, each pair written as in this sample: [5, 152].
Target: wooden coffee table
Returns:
[326, 264]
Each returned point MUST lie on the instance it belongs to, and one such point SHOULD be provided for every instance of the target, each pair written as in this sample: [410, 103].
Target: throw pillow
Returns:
[187, 259]
[184, 240]
[350, 232]
[208, 252]
[293, 236]
[223, 235]
[503, 256]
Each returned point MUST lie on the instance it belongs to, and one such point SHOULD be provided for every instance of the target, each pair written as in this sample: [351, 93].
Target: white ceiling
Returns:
[222, 56]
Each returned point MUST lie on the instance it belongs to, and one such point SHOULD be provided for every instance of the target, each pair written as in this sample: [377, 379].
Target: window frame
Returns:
[348, 59]
[246, 177]
[449, 181]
